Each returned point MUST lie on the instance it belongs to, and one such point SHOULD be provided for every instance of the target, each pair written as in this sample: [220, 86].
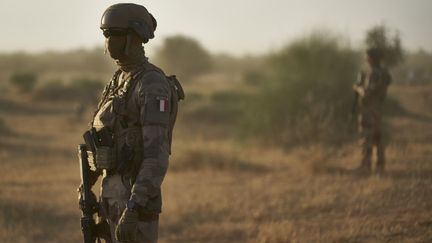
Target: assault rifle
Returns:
[92, 232]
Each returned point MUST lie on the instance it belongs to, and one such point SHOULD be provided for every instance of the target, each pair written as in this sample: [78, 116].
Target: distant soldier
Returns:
[132, 128]
[371, 90]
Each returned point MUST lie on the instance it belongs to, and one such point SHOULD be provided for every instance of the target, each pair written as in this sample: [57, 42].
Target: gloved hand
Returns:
[92, 203]
[102, 230]
[127, 227]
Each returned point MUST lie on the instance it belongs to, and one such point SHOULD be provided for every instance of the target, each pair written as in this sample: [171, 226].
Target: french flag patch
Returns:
[163, 104]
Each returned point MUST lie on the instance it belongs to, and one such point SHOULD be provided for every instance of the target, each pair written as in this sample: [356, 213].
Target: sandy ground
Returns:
[218, 190]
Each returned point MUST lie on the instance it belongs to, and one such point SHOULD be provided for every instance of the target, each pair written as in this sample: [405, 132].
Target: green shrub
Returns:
[194, 97]
[254, 77]
[223, 107]
[228, 97]
[53, 89]
[307, 96]
[184, 56]
[79, 89]
[86, 87]
[24, 81]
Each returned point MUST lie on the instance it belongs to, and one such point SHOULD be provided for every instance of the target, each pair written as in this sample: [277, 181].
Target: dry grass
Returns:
[218, 190]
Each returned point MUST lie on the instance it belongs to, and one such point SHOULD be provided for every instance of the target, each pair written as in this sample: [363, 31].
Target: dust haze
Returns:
[264, 148]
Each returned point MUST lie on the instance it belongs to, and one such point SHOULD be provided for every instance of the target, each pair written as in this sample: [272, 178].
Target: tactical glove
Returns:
[92, 203]
[127, 227]
[103, 231]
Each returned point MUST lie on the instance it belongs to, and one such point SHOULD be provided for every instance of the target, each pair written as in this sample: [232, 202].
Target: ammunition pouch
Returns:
[102, 152]
[101, 146]
[105, 158]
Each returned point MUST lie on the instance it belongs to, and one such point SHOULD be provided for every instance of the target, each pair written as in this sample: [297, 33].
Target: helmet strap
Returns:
[106, 46]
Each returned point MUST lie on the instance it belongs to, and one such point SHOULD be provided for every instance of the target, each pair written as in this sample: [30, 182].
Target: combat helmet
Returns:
[129, 17]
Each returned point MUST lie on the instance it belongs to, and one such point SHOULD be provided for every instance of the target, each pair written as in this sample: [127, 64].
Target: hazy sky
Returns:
[236, 26]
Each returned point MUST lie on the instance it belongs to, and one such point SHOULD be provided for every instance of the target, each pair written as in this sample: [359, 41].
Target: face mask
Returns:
[115, 46]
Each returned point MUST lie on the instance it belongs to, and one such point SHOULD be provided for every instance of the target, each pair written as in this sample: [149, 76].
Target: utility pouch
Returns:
[131, 138]
[99, 149]
[104, 150]
[105, 158]
[125, 159]
[105, 138]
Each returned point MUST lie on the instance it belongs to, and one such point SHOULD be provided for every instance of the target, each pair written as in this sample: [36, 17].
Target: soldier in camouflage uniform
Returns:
[371, 89]
[137, 110]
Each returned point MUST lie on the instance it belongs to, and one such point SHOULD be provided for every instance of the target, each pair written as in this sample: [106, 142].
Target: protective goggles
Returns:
[115, 32]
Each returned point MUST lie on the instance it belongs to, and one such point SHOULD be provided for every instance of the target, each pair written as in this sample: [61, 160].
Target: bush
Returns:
[86, 88]
[78, 89]
[53, 89]
[24, 81]
[193, 97]
[417, 68]
[307, 97]
[224, 107]
[229, 97]
[254, 77]
[184, 57]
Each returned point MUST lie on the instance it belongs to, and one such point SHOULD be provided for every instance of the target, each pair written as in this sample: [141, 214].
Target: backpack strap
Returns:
[177, 94]
[106, 93]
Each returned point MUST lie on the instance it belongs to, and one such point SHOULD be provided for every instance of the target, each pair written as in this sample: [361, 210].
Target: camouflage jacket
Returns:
[372, 90]
[136, 109]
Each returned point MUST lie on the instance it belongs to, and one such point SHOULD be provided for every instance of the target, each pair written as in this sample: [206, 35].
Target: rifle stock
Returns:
[92, 232]
[87, 220]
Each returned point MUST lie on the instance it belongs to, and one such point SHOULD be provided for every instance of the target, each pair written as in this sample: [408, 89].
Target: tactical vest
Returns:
[123, 154]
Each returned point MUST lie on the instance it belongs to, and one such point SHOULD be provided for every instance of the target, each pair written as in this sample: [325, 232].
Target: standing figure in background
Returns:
[371, 90]
[132, 128]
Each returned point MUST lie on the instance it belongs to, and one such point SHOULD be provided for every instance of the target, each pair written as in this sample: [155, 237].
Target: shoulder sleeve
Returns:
[154, 99]
[154, 95]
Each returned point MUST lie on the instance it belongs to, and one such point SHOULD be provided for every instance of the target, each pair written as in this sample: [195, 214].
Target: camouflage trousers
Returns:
[371, 138]
[147, 228]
